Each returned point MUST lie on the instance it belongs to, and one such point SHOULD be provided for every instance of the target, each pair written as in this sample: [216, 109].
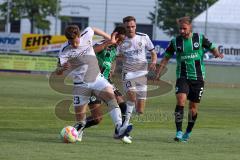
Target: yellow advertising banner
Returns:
[27, 63]
[39, 42]
[46, 43]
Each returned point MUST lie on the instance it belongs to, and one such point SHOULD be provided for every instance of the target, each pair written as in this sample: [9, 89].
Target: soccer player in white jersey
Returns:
[135, 66]
[78, 58]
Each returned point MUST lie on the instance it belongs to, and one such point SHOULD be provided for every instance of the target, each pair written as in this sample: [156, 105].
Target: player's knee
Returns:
[139, 112]
[132, 99]
[193, 110]
[97, 120]
[107, 94]
[193, 106]
[112, 104]
[180, 102]
[131, 96]
[181, 99]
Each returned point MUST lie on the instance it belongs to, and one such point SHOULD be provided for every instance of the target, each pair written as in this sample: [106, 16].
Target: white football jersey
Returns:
[135, 51]
[82, 58]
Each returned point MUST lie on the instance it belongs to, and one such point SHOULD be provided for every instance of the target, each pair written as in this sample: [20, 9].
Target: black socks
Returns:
[191, 121]
[179, 113]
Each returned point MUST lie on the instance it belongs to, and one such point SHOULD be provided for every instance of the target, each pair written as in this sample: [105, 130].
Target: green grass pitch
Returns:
[29, 128]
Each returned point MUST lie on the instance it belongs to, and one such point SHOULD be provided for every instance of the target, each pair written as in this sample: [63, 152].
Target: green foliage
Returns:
[34, 10]
[170, 10]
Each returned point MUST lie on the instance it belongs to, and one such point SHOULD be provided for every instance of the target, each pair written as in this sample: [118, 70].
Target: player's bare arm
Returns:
[99, 47]
[60, 69]
[162, 66]
[153, 60]
[216, 53]
[100, 32]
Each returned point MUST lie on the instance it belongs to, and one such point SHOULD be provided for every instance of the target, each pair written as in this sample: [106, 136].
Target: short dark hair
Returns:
[128, 19]
[186, 20]
[72, 31]
[120, 30]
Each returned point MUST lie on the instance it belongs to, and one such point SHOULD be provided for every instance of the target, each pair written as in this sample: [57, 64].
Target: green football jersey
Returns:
[105, 59]
[189, 55]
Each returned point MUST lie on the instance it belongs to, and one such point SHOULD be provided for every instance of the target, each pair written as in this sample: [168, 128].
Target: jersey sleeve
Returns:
[169, 52]
[97, 43]
[207, 44]
[149, 44]
[88, 32]
[62, 56]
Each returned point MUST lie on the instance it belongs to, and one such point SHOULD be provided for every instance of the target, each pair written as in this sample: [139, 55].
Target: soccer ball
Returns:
[69, 134]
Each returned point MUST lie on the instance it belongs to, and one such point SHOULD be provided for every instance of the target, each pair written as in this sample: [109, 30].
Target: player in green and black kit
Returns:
[106, 52]
[190, 72]
[106, 57]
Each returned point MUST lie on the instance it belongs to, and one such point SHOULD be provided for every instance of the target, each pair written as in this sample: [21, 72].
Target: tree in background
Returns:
[35, 10]
[170, 10]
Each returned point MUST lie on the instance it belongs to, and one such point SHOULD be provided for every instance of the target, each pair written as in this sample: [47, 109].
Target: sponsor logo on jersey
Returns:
[140, 44]
[196, 44]
[132, 53]
[126, 45]
[191, 56]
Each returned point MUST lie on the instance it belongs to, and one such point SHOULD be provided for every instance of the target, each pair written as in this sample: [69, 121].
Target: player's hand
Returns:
[152, 66]
[157, 78]
[61, 69]
[113, 38]
[153, 78]
[220, 55]
[66, 66]
[160, 71]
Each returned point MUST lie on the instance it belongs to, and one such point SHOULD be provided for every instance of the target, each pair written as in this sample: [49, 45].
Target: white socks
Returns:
[130, 107]
[115, 112]
[116, 116]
